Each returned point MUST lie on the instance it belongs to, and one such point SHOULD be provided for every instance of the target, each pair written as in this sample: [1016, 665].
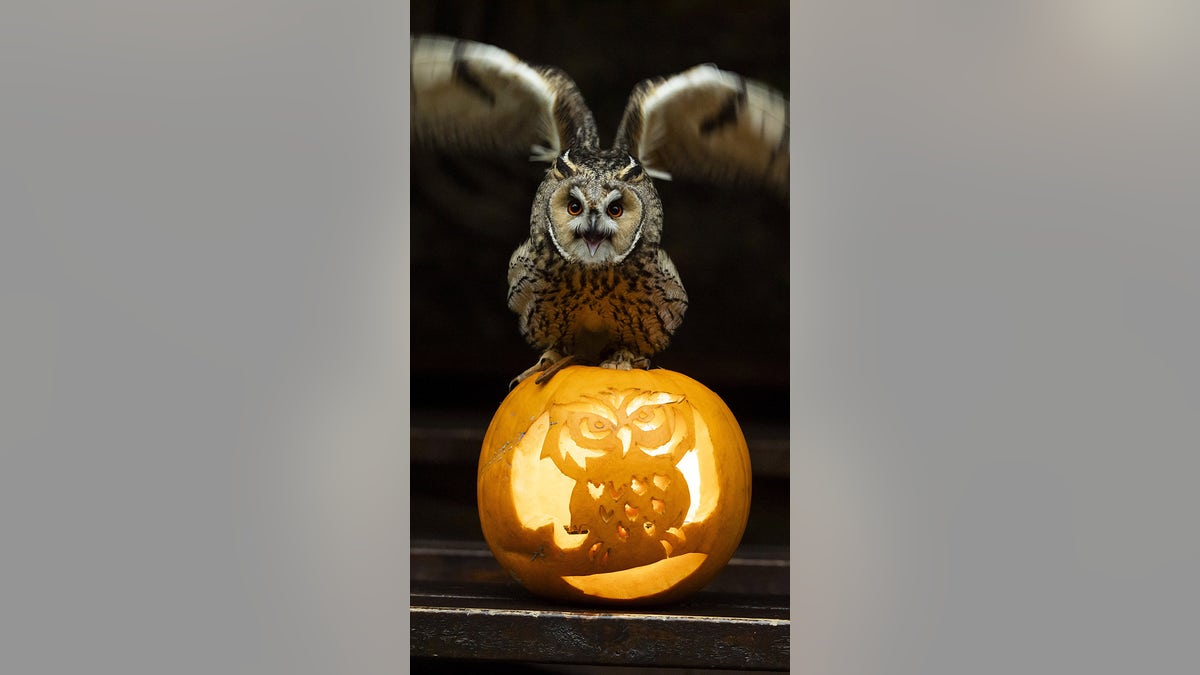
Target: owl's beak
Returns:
[593, 237]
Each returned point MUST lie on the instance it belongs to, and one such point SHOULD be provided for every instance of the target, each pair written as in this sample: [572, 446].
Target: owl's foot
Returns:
[623, 359]
[550, 363]
[554, 368]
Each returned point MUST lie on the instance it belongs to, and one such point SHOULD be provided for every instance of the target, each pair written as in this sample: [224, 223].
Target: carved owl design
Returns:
[591, 284]
[639, 434]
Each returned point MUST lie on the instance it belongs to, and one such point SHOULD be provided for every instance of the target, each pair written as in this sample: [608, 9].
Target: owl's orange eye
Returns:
[615, 210]
[574, 206]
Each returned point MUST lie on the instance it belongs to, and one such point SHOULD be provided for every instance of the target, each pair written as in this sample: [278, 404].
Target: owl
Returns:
[592, 284]
[640, 434]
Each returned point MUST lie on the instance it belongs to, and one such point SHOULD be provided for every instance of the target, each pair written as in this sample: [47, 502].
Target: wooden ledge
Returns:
[464, 607]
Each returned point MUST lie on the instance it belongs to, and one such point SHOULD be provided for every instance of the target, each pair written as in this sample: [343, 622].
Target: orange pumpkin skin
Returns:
[613, 487]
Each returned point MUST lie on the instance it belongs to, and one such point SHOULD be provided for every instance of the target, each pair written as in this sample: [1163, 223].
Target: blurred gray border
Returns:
[993, 361]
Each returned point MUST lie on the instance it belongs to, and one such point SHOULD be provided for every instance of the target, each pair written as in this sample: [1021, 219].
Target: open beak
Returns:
[593, 242]
[592, 236]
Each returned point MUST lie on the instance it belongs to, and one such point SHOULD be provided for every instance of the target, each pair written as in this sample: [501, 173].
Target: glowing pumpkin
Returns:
[613, 486]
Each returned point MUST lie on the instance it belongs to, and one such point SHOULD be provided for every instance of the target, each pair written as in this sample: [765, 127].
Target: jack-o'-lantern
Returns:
[613, 486]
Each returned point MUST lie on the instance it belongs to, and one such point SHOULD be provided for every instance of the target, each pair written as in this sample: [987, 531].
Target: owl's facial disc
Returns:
[595, 223]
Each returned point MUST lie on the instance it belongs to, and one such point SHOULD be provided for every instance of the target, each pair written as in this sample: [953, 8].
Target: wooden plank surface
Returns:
[464, 607]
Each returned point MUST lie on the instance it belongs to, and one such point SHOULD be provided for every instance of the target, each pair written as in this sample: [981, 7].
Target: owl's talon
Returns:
[625, 360]
[554, 368]
[550, 363]
[548, 357]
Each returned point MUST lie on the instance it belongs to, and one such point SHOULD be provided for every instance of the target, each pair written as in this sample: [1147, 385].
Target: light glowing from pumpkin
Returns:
[611, 488]
[545, 490]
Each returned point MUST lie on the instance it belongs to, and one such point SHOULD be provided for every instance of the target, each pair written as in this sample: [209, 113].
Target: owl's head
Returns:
[598, 206]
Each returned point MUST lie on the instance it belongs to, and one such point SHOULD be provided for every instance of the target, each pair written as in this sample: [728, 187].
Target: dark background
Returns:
[729, 243]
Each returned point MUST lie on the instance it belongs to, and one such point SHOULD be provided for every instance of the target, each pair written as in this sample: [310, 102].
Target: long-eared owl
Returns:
[591, 284]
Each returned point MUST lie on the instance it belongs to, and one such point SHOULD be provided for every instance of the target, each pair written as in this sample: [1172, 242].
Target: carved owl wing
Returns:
[468, 95]
[708, 124]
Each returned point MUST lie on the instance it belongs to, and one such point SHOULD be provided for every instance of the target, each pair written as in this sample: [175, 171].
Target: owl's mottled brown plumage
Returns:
[613, 306]
[594, 312]
[591, 284]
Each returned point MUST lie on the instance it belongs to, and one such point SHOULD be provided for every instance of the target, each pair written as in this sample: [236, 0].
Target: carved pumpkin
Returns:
[613, 486]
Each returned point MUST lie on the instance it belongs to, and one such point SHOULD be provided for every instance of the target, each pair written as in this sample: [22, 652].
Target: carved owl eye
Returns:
[653, 425]
[649, 417]
[592, 427]
[574, 206]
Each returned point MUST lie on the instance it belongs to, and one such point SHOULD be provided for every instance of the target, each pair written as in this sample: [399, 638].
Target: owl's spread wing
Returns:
[708, 124]
[468, 95]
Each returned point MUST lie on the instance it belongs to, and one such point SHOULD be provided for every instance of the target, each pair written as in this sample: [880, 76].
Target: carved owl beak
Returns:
[626, 436]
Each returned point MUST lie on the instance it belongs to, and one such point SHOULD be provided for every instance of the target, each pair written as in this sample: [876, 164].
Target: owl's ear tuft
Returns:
[564, 167]
[633, 172]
